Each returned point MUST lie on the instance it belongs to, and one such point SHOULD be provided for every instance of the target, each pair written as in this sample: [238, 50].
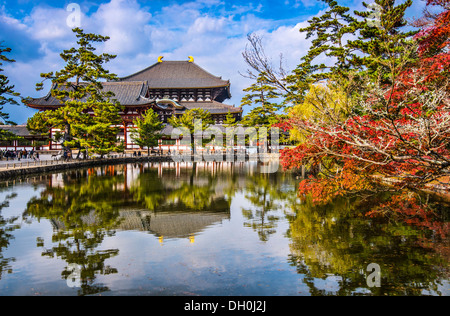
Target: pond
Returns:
[216, 229]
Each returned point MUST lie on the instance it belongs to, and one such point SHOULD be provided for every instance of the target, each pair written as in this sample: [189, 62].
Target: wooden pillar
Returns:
[125, 135]
[50, 140]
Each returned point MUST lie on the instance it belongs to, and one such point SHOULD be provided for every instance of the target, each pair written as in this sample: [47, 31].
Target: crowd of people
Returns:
[18, 154]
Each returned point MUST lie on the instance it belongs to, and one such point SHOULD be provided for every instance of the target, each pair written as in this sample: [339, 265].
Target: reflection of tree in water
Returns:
[7, 225]
[87, 208]
[263, 192]
[84, 211]
[186, 192]
[332, 242]
[337, 242]
[178, 202]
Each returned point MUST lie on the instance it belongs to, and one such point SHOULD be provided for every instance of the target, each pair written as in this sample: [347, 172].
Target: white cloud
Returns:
[48, 24]
[206, 24]
[126, 23]
[139, 35]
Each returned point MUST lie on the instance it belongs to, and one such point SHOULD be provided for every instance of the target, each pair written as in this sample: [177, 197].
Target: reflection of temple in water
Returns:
[170, 225]
[174, 217]
[164, 225]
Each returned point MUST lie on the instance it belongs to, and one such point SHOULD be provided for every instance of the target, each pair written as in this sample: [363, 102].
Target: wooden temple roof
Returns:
[170, 224]
[126, 93]
[134, 90]
[20, 130]
[177, 75]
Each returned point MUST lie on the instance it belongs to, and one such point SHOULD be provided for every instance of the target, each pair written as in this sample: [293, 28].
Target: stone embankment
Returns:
[16, 170]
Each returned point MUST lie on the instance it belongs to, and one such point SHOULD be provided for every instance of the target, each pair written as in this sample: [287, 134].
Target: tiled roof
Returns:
[171, 224]
[18, 130]
[177, 74]
[126, 93]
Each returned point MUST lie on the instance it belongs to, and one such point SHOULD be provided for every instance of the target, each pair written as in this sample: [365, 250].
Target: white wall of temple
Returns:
[15, 147]
[55, 145]
[130, 144]
[125, 136]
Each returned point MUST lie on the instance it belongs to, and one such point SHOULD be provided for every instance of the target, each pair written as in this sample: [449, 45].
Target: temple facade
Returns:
[169, 88]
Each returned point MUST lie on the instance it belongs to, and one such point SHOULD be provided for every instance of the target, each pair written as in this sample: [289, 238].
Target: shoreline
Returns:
[46, 167]
[24, 171]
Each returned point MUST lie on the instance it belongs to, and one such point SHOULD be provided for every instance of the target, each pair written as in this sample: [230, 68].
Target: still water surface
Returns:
[202, 229]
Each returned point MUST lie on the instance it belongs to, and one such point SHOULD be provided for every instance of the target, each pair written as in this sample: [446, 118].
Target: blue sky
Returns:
[213, 31]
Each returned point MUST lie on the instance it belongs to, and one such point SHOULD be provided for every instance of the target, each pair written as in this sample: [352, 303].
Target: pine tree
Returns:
[101, 137]
[230, 120]
[148, 130]
[7, 94]
[384, 48]
[265, 113]
[230, 128]
[380, 50]
[260, 96]
[88, 112]
[193, 120]
[328, 32]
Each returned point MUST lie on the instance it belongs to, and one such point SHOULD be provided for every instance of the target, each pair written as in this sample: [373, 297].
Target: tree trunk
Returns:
[67, 137]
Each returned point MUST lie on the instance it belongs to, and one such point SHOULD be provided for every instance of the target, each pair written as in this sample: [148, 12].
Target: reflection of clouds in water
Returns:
[215, 252]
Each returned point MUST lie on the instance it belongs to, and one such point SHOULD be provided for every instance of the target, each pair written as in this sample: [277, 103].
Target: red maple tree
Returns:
[400, 139]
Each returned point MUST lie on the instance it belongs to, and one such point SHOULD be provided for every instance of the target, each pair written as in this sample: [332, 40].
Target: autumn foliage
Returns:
[393, 134]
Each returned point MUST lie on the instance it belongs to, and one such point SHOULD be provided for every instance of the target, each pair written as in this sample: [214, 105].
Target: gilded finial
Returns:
[160, 58]
[191, 59]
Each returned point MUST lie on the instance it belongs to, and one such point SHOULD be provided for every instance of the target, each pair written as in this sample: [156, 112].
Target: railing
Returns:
[16, 164]
[22, 164]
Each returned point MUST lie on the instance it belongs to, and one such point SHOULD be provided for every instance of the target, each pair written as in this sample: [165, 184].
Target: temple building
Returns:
[169, 88]
[26, 140]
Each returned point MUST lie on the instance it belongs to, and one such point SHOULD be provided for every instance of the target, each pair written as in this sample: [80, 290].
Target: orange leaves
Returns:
[409, 207]
[435, 37]
[397, 133]
[324, 189]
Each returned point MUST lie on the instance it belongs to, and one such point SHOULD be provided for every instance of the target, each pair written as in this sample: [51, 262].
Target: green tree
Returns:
[194, 121]
[230, 127]
[148, 130]
[230, 120]
[328, 32]
[260, 96]
[39, 124]
[381, 44]
[7, 94]
[101, 137]
[265, 112]
[384, 46]
[88, 112]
